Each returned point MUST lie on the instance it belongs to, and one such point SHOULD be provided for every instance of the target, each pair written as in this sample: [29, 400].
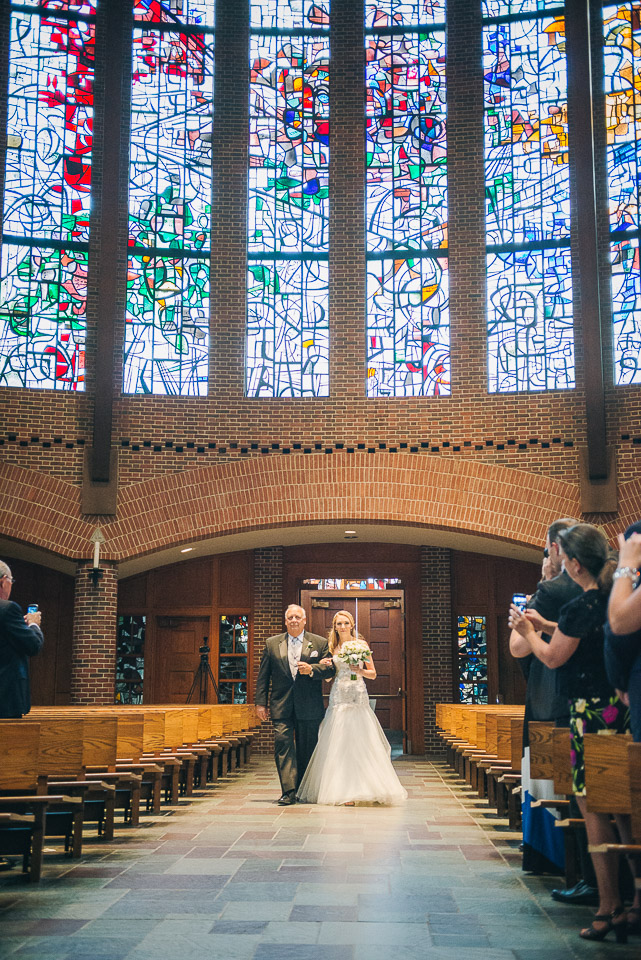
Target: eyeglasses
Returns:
[10, 579]
[293, 619]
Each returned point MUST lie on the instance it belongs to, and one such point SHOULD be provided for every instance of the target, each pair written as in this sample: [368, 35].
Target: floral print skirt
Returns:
[605, 715]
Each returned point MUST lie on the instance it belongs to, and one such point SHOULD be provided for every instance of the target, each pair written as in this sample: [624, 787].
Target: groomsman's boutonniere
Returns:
[309, 645]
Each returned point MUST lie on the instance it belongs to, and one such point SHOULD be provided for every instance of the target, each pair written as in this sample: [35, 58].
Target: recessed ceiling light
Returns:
[186, 549]
[350, 531]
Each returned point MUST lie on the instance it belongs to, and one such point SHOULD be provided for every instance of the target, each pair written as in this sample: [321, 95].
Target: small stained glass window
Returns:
[130, 659]
[472, 659]
[233, 653]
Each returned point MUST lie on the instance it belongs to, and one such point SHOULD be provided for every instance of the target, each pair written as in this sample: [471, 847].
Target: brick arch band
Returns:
[270, 492]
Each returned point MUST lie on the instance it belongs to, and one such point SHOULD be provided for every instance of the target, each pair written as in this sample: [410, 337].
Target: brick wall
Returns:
[268, 618]
[94, 630]
[438, 676]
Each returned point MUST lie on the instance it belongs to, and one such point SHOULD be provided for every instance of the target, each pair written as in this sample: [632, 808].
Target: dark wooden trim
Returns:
[582, 155]
[113, 21]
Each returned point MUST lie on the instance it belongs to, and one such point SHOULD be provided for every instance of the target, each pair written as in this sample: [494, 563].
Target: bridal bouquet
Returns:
[354, 652]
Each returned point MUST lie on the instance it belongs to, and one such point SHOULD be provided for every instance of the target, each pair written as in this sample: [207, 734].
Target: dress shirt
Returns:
[294, 649]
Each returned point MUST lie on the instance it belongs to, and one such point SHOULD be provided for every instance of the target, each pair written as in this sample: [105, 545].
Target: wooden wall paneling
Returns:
[183, 586]
[53, 591]
[483, 586]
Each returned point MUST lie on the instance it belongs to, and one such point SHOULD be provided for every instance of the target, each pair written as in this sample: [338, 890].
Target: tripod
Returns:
[203, 676]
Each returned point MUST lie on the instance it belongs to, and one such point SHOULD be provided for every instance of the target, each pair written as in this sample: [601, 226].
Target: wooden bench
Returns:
[484, 745]
[22, 792]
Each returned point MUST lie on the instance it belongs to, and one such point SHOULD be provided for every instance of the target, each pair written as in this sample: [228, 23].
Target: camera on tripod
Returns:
[203, 676]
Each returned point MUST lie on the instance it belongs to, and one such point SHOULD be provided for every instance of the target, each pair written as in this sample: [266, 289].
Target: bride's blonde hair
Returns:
[333, 637]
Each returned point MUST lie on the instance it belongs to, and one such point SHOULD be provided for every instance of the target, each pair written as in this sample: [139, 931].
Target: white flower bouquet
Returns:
[354, 652]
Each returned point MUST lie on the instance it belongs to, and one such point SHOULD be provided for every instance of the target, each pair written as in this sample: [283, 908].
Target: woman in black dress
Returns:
[576, 648]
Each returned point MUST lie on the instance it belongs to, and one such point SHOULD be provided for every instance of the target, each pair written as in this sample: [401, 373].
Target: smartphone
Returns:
[32, 608]
[520, 600]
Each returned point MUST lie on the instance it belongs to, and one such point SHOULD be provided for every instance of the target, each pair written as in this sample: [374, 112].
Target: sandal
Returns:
[620, 928]
[634, 921]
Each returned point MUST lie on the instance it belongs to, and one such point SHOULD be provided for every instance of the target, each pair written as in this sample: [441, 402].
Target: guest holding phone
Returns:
[20, 638]
[575, 650]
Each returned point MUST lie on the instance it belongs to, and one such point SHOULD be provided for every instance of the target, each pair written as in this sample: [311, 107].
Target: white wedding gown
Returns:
[352, 760]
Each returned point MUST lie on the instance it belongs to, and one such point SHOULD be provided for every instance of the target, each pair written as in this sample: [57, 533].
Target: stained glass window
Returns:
[167, 316]
[408, 339]
[130, 659]
[43, 271]
[622, 51]
[287, 345]
[233, 651]
[472, 659]
[529, 278]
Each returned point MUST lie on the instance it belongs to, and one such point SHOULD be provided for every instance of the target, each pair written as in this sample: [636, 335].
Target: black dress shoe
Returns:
[287, 800]
[580, 893]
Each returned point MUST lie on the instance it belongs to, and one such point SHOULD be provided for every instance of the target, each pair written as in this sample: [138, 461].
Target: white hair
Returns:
[4, 570]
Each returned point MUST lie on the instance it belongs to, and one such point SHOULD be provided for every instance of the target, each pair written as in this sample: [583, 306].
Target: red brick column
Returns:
[268, 619]
[436, 605]
[93, 658]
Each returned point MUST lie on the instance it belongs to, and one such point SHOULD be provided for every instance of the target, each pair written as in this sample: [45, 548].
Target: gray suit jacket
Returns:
[302, 698]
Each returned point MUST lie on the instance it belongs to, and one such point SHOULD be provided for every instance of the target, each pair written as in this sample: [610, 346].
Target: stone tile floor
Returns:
[231, 875]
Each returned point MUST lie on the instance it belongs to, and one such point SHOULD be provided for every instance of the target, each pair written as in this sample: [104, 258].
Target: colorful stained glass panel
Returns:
[287, 351]
[472, 659]
[289, 145]
[406, 144]
[43, 317]
[171, 128]
[526, 144]
[43, 288]
[403, 13]
[626, 310]
[622, 61]
[81, 8]
[406, 206]
[288, 15]
[504, 8]
[408, 331]
[529, 287]
[530, 333]
[190, 12]
[288, 329]
[167, 332]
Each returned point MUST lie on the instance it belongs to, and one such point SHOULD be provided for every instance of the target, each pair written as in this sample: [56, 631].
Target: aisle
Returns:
[232, 876]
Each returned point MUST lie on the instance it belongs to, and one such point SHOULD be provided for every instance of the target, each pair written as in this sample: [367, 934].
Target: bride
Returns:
[351, 763]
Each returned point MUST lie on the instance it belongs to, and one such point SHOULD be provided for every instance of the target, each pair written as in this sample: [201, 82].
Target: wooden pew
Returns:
[484, 744]
[20, 788]
[17, 836]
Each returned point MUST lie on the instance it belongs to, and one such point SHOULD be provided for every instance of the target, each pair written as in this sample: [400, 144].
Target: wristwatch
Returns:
[630, 573]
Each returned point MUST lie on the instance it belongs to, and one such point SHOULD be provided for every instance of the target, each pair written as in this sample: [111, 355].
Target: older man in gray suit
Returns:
[291, 662]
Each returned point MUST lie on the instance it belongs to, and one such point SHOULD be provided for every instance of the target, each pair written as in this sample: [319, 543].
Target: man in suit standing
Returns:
[291, 661]
[20, 638]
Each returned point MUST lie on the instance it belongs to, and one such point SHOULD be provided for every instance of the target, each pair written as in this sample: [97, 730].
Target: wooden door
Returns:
[177, 658]
[380, 619]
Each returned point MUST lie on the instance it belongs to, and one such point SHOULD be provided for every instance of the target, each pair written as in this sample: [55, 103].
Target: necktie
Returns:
[294, 647]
